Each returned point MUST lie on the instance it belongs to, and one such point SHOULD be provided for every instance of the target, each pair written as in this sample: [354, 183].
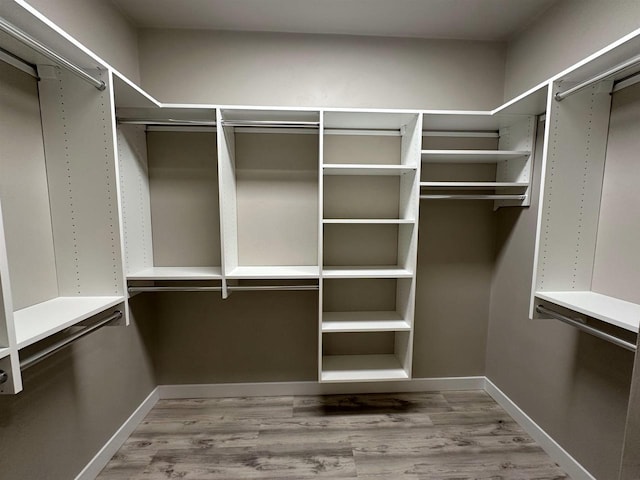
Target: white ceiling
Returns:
[449, 19]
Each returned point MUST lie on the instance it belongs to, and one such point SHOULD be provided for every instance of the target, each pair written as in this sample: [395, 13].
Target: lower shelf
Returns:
[601, 307]
[350, 368]
[4, 352]
[363, 322]
[47, 318]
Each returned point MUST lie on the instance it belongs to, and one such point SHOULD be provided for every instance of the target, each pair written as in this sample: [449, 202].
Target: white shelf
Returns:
[4, 352]
[607, 309]
[177, 273]
[363, 322]
[473, 185]
[392, 271]
[349, 368]
[369, 221]
[44, 319]
[274, 272]
[471, 156]
[366, 169]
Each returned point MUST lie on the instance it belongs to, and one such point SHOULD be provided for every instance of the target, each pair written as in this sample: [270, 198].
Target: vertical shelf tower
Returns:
[370, 200]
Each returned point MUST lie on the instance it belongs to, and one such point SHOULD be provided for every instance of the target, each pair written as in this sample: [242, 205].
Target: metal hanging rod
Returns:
[19, 63]
[587, 329]
[42, 49]
[47, 352]
[270, 123]
[168, 121]
[603, 76]
[472, 197]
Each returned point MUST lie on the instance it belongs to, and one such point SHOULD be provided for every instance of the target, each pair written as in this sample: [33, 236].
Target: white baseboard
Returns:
[270, 389]
[100, 460]
[559, 455]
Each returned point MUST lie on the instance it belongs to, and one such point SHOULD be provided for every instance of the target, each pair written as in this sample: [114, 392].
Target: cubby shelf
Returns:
[474, 185]
[366, 169]
[375, 321]
[601, 307]
[177, 273]
[369, 221]
[471, 156]
[350, 368]
[392, 271]
[274, 272]
[47, 318]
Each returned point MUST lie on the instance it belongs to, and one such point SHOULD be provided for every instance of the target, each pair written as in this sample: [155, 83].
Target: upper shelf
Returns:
[474, 185]
[392, 271]
[601, 307]
[177, 273]
[471, 156]
[47, 318]
[366, 169]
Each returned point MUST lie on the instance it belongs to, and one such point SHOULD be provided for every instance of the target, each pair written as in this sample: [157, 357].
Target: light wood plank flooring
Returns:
[418, 436]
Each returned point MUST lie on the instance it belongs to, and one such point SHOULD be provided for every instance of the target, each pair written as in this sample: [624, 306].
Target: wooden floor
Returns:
[449, 435]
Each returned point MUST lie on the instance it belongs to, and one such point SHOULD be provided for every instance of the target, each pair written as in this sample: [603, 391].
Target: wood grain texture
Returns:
[419, 436]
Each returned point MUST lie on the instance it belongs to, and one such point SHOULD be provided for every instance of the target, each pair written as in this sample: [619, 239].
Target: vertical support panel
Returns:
[228, 200]
[80, 157]
[320, 239]
[134, 194]
[518, 136]
[571, 190]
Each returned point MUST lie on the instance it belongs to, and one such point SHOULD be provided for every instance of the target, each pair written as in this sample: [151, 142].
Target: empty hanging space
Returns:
[269, 167]
[169, 189]
[477, 157]
[587, 257]
[59, 203]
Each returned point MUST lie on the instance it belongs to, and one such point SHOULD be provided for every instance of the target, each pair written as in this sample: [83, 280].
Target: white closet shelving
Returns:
[586, 262]
[60, 249]
[478, 156]
[369, 235]
[168, 174]
[269, 170]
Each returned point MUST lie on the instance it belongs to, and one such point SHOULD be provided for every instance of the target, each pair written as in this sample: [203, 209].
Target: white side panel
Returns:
[571, 195]
[78, 136]
[134, 192]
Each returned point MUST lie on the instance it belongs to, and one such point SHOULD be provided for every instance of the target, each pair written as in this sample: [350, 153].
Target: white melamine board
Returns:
[376, 321]
[183, 182]
[81, 170]
[571, 192]
[602, 307]
[473, 185]
[349, 368]
[277, 195]
[369, 221]
[44, 319]
[177, 273]
[364, 169]
[616, 270]
[369, 151]
[186, 115]
[367, 120]
[471, 156]
[130, 95]
[228, 197]
[24, 191]
[366, 272]
[4, 352]
[261, 114]
[134, 197]
[531, 102]
[274, 272]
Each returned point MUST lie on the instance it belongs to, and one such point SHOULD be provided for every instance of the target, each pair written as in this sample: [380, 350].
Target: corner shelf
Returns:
[366, 169]
[177, 273]
[607, 309]
[47, 318]
[471, 156]
[375, 321]
[350, 368]
[274, 272]
[392, 271]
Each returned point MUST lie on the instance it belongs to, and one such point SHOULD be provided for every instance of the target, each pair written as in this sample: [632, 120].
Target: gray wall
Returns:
[320, 70]
[99, 26]
[565, 34]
